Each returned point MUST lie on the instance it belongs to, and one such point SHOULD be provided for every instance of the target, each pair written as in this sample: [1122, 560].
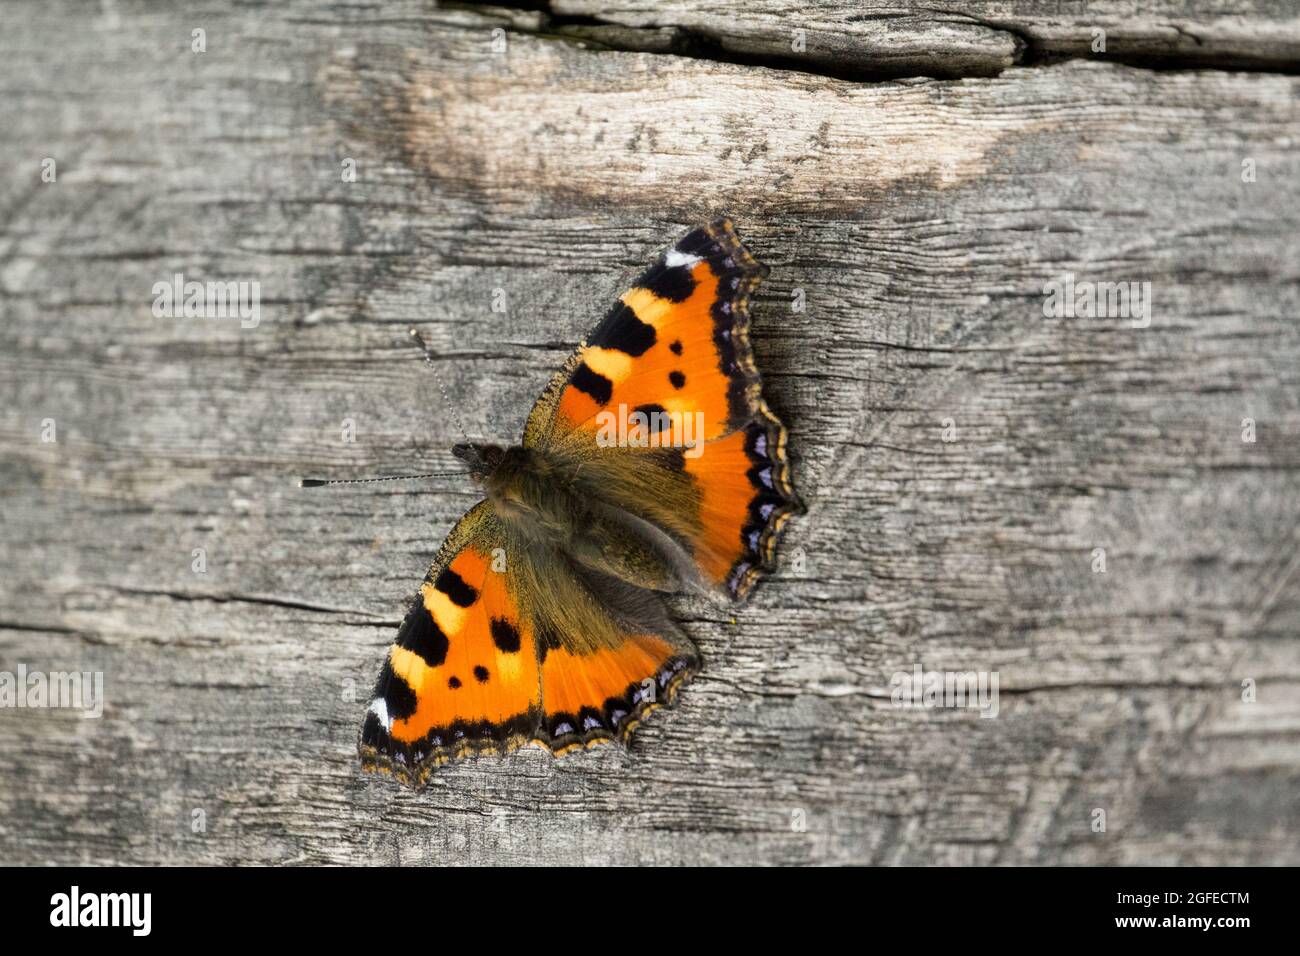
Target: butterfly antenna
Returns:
[437, 377]
[318, 482]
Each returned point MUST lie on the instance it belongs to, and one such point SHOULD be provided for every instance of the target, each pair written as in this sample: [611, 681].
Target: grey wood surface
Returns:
[904, 37]
[963, 455]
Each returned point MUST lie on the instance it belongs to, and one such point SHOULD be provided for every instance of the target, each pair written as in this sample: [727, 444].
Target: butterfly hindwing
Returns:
[747, 496]
[603, 695]
[668, 380]
[609, 653]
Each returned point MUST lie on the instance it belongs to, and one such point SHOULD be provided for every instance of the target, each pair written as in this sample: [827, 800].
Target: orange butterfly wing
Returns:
[672, 362]
[472, 671]
[603, 696]
[597, 693]
[462, 675]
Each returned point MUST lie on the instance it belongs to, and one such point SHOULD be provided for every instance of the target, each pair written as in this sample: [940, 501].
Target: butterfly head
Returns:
[514, 478]
[483, 460]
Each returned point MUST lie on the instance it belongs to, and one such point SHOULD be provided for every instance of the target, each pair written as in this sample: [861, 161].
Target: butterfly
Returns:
[649, 464]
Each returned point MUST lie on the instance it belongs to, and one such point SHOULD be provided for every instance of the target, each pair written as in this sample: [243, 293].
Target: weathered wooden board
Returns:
[918, 221]
[874, 38]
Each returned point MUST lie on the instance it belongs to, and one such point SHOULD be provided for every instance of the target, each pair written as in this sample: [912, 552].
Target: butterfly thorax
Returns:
[551, 512]
[527, 490]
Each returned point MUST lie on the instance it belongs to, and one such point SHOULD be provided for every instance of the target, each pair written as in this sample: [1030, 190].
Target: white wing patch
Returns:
[380, 709]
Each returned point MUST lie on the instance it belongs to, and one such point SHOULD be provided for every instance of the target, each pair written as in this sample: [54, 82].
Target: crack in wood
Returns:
[1027, 47]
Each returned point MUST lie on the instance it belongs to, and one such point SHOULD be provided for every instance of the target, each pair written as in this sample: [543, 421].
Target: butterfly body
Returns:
[650, 463]
[524, 487]
[549, 508]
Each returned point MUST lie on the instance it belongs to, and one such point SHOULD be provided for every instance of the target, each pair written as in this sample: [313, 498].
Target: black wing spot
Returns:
[593, 383]
[480, 673]
[372, 731]
[398, 696]
[674, 284]
[676, 347]
[453, 683]
[547, 640]
[656, 416]
[622, 330]
[694, 243]
[505, 635]
[677, 378]
[420, 634]
[453, 585]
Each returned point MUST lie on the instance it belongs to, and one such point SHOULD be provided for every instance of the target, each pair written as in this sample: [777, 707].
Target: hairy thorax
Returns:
[535, 495]
[549, 510]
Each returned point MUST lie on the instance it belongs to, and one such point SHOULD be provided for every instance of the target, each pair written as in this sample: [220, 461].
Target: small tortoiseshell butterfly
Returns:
[650, 462]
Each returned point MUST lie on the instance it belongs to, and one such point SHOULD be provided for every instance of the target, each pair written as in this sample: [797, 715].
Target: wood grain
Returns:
[871, 37]
[918, 221]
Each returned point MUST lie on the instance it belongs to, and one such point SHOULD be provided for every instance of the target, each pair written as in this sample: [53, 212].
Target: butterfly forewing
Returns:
[669, 378]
